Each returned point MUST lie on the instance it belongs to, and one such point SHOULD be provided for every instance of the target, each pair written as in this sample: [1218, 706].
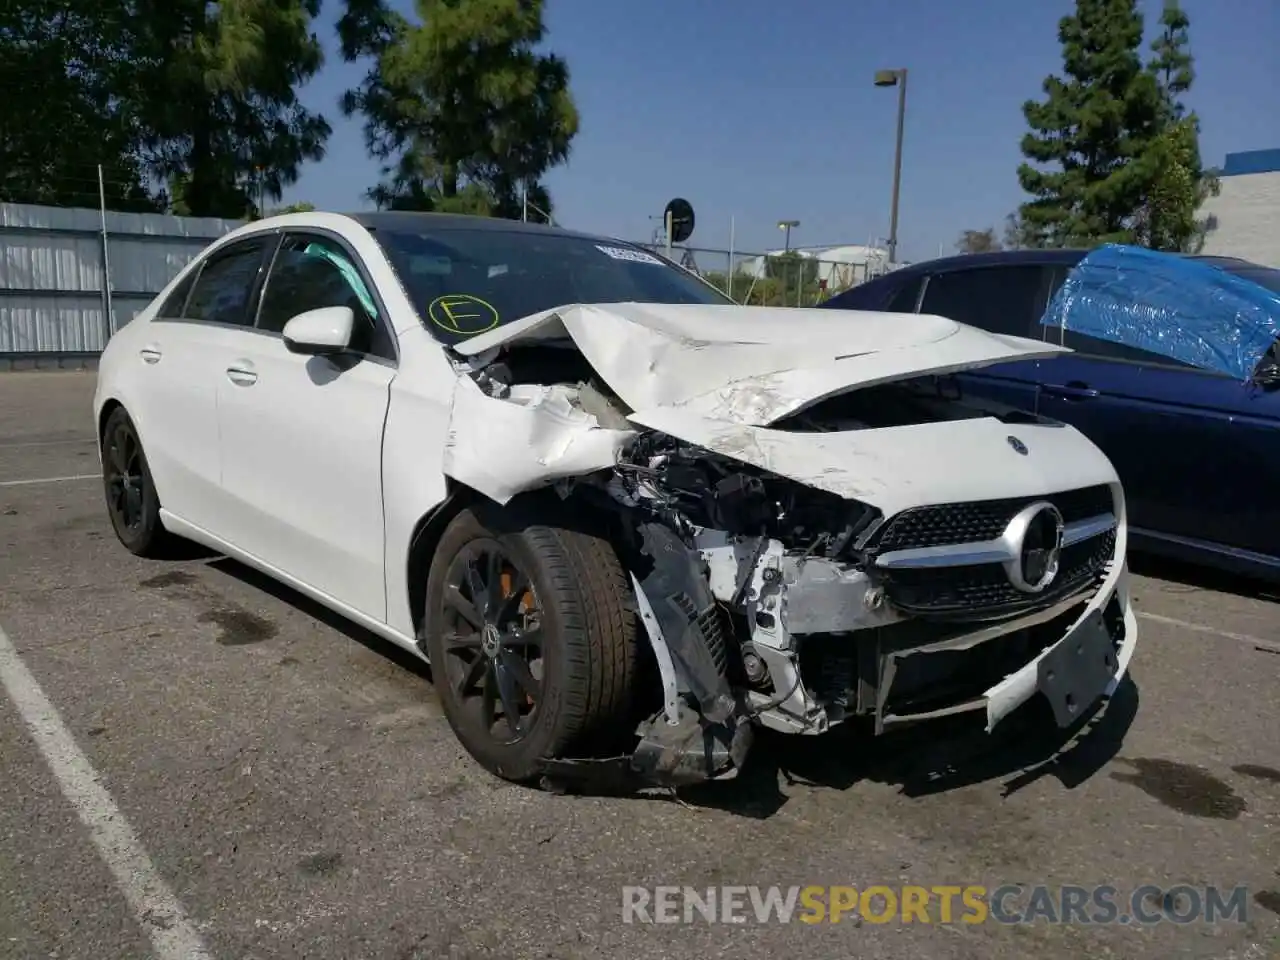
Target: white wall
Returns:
[1248, 212]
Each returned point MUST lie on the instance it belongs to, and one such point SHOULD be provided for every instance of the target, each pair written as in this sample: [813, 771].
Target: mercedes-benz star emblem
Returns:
[1018, 445]
[1035, 536]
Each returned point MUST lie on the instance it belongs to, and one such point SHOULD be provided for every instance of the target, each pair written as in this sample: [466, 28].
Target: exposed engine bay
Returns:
[780, 600]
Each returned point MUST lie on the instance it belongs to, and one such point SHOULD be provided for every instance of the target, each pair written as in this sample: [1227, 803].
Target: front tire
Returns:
[132, 502]
[531, 639]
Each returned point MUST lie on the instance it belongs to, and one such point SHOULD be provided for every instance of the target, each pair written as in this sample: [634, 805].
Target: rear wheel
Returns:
[531, 640]
[132, 503]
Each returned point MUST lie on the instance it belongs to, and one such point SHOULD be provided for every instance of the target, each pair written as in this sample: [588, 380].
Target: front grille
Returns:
[983, 590]
[947, 524]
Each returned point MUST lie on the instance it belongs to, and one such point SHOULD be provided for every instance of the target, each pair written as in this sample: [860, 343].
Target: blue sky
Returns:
[758, 111]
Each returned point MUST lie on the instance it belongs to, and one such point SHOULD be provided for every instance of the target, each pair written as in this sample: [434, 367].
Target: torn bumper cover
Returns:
[826, 646]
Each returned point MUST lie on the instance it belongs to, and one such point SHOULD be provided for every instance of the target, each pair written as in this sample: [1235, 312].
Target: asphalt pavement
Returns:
[197, 762]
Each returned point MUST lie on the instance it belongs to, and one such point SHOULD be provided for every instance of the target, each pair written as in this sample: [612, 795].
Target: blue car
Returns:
[1175, 376]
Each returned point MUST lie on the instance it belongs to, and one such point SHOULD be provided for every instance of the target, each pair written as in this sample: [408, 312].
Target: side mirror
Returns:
[1267, 374]
[322, 332]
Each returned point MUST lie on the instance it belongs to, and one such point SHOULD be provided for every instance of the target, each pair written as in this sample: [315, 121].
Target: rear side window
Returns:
[904, 301]
[871, 295]
[173, 304]
[225, 286]
[1008, 300]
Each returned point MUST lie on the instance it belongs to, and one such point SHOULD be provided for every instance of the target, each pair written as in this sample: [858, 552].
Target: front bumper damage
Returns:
[825, 644]
[816, 527]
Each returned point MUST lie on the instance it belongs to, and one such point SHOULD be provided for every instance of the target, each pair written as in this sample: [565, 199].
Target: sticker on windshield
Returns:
[462, 314]
[635, 256]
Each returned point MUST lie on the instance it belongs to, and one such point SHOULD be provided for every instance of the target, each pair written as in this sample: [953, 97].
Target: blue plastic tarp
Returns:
[1177, 307]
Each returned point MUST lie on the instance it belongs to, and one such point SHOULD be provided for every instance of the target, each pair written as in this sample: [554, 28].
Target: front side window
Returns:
[312, 271]
[1266, 277]
[466, 281]
[225, 285]
[1089, 346]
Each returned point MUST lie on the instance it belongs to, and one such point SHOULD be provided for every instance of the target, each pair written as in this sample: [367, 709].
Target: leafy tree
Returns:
[1173, 65]
[1179, 184]
[460, 104]
[301, 207]
[60, 118]
[1095, 121]
[978, 241]
[796, 276]
[1017, 236]
[213, 89]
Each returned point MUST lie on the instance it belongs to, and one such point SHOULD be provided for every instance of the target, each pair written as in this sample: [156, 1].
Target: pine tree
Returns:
[215, 86]
[1173, 65]
[1094, 122]
[1179, 184]
[461, 105]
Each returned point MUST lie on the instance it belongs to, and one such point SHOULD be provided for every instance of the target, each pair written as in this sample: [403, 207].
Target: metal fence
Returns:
[795, 279]
[69, 278]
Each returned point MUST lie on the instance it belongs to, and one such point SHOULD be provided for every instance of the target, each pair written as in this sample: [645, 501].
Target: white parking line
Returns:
[1211, 631]
[4, 445]
[152, 902]
[26, 483]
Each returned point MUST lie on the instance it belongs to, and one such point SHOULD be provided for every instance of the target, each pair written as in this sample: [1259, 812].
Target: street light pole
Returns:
[785, 226]
[895, 78]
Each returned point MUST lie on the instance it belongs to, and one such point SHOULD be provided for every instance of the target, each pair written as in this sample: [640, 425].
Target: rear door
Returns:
[1007, 299]
[188, 343]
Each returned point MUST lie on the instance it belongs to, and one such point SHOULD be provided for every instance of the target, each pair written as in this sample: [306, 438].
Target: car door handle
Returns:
[242, 374]
[150, 354]
[1075, 390]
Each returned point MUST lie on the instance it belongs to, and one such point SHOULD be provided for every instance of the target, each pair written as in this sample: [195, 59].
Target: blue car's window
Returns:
[1006, 300]
[1095, 347]
[1107, 349]
[905, 300]
[469, 281]
[1263, 276]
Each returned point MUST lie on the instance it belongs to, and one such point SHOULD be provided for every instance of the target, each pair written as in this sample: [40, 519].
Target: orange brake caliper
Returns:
[526, 604]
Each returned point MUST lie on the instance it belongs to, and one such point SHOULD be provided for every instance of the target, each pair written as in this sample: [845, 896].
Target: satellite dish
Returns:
[680, 213]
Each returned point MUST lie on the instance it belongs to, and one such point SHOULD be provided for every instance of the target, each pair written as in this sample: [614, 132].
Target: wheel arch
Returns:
[109, 406]
[431, 526]
[422, 547]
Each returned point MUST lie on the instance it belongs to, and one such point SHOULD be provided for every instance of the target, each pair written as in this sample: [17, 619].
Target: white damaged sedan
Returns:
[621, 516]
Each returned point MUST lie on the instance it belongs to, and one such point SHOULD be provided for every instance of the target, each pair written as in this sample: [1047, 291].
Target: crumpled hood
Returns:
[755, 365]
[719, 376]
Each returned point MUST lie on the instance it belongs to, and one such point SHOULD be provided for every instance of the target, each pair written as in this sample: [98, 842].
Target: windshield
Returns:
[468, 281]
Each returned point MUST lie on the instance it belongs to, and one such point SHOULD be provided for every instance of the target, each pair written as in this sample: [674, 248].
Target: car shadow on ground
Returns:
[367, 638]
[1179, 575]
[927, 759]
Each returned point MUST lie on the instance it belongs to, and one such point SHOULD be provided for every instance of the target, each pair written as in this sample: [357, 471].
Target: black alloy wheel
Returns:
[126, 483]
[132, 502]
[493, 641]
[531, 637]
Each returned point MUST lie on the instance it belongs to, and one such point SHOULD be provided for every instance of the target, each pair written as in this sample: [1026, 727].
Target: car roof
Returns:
[995, 258]
[408, 221]
[1069, 256]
